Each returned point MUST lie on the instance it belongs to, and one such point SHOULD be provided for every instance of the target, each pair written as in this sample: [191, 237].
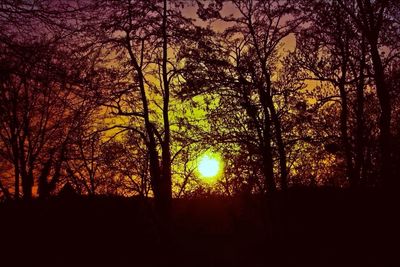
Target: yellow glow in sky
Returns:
[209, 167]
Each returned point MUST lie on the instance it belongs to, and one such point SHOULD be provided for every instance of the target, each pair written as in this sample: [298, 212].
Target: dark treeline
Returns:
[117, 97]
[120, 97]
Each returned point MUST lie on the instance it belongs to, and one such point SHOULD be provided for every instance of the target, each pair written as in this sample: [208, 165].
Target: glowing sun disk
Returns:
[209, 166]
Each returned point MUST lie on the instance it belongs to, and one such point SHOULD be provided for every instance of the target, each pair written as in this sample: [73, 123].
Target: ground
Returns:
[304, 227]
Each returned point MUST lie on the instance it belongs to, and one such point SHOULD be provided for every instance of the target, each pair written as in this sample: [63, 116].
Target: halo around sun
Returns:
[209, 167]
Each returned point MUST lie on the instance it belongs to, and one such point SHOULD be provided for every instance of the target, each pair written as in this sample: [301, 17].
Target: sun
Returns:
[209, 167]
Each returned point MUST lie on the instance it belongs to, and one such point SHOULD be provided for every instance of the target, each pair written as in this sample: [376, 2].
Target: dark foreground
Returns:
[305, 227]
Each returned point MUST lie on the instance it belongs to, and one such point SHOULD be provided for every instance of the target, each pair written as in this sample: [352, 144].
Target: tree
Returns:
[142, 40]
[34, 111]
[371, 17]
[332, 51]
[252, 43]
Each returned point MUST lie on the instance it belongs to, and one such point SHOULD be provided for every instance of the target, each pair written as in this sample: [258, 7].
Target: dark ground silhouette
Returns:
[305, 227]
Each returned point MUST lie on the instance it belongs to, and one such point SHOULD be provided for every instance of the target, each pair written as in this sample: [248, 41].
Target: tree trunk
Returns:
[359, 110]
[166, 184]
[16, 177]
[371, 27]
[43, 189]
[278, 136]
[268, 165]
[27, 184]
[14, 147]
[26, 175]
[384, 121]
[268, 104]
[5, 191]
[151, 143]
[263, 135]
[344, 133]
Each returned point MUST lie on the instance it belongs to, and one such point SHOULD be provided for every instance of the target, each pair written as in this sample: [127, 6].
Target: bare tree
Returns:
[331, 51]
[257, 31]
[142, 39]
[370, 17]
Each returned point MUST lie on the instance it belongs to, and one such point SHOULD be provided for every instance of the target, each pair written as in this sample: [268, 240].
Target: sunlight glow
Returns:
[209, 167]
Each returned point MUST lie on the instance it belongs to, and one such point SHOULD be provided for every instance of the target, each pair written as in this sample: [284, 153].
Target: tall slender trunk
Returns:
[385, 117]
[278, 135]
[344, 113]
[264, 136]
[269, 109]
[166, 151]
[14, 146]
[27, 185]
[266, 99]
[372, 22]
[26, 174]
[369, 177]
[359, 110]
[151, 143]
[281, 149]
[268, 166]
[16, 174]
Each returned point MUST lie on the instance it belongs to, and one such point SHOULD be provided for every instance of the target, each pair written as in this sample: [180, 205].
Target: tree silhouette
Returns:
[331, 52]
[253, 42]
[370, 18]
[36, 115]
